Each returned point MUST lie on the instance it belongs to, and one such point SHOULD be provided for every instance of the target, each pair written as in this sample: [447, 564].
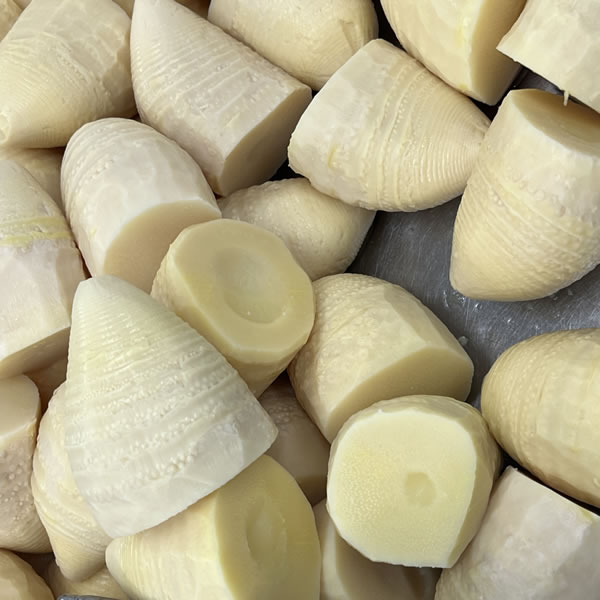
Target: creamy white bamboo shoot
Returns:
[348, 575]
[232, 110]
[101, 584]
[198, 6]
[532, 545]
[128, 192]
[9, 13]
[559, 41]
[48, 379]
[540, 400]
[64, 63]
[240, 287]
[457, 41]
[528, 224]
[155, 418]
[40, 268]
[372, 341]
[384, 133]
[253, 539]
[409, 480]
[322, 233]
[310, 39]
[299, 448]
[77, 540]
[20, 527]
[18, 580]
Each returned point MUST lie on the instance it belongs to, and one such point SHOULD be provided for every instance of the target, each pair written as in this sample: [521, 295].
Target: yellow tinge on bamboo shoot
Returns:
[18, 580]
[9, 13]
[101, 584]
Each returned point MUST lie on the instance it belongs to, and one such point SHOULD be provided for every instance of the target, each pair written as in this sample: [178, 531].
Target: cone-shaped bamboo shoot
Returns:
[384, 133]
[310, 39]
[560, 42]
[128, 192]
[228, 107]
[528, 224]
[322, 233]
[532, 545]
[540, 400]
[18, 580]
[253, 539]
[9, 13]
[77, 541]
[48, 379]
[20, 527]
[240, 287]
[64, 63]
[299, 447]
[409, 480]
[457, 41]
[40, 268]
[101, 584]
[371, 341]
[348, 575]
[155, 418]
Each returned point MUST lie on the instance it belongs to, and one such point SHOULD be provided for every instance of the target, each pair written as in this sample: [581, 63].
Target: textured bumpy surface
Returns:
[528, 224]
[409, 480]
[128, 192]
[541, 402]
[253, 538]
[9, 13]
[18, 581]
[310, 39]
[76, 54]
[384, 133]
[322, 233]
[532, 545]
[155, 418]
[457, 41]
[77, 541]
[101, 584]
[371, 341]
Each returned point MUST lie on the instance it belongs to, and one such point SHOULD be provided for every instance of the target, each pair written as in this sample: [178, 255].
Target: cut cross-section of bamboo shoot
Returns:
[253, 539]
[528, 224]
[540, 400]
[18, 580]
[559, 41]
[240, 287]
[299, 447]
[20, 527]
[155, 418]
[101, 584]
[9, 13]
[532, 545]
[322, 233]
[128, 192]
[40, 268]
[347, 575]
[77, 540]
[409, 480]
[457, 41]
[64, 63]
[310, 39]
[48, 379]
[372, 341]
[231, 109]
[384, 133]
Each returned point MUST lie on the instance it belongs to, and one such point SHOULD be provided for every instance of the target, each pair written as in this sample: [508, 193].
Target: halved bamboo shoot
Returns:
[18, 580]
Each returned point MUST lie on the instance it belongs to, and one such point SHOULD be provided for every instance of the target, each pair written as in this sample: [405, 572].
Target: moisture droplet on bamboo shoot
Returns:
[9, 13]
[18, 580]
[101, 584]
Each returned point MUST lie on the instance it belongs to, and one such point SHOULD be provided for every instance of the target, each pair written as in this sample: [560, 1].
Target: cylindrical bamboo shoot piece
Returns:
[18, 580]
[48, 379]
[9, 13]
[101, 584]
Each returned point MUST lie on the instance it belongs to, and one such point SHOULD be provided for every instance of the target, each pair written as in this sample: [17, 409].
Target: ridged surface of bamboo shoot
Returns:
[18, 580]
[9, 13]
[101, 584]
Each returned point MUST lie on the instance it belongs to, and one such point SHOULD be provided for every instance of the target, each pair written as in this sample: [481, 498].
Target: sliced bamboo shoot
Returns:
[348, 575]
[9, 13]
[40, 268]
[384, 133]
[240, 287]
[457, 41]
[560, 42]
[371, 341]
[299, 448]
[77, 541]
[322, 233]
[409, 480]
[253, 539]
[18, 580]
[228, 107]
[101, 584]
[528, 224]
[128, 192]
[20, 527]
[155, 418]
[532, 545]
[540, 400]
[309, 39]
[64, 63]
[48, 379]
